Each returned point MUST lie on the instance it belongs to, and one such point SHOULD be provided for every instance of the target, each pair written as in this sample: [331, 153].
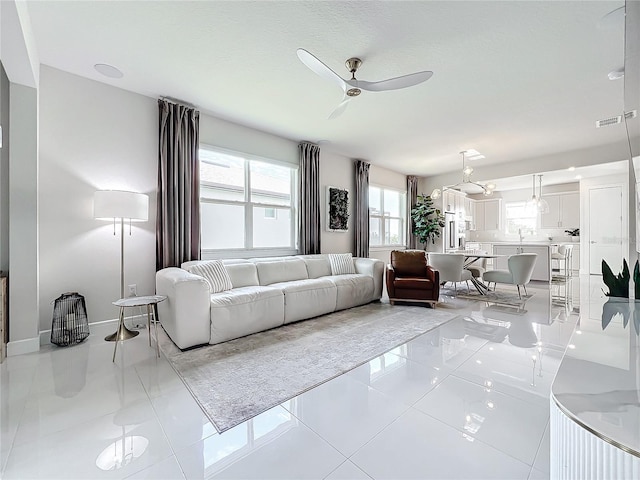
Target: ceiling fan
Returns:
[354, 87]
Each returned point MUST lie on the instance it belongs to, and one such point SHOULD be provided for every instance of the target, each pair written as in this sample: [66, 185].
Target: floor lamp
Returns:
[117, 205]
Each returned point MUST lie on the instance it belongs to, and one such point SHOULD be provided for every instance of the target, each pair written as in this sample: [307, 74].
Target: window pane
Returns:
[270, 183]
[222, 226]
[375, 198]
[221, 176]
[392, 206]
[271, 227]
[394, 231]
[375, 231]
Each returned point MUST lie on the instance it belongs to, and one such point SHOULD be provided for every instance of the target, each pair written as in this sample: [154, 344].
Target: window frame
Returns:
[537, 217]
[383, 218]
[249, 250]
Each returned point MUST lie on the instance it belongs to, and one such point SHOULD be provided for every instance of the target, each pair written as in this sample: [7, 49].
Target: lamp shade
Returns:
[110, 204]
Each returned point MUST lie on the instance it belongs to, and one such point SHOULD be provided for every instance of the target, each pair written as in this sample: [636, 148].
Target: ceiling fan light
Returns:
[435, 194]
[487, 192]
[490, 186]
[467, 171]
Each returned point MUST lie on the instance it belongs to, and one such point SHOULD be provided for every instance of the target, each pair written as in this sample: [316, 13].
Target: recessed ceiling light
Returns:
[571, 169]
[108, 70]
[616, 74]
[473, 154]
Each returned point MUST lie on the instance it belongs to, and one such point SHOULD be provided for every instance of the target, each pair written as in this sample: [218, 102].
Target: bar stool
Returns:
[563, 255]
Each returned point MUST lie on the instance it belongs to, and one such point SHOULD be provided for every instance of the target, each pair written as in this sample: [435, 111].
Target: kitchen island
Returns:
[542, 269]
[595, 397]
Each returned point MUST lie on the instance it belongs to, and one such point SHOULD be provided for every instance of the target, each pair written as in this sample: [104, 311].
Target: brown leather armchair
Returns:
[410, 279]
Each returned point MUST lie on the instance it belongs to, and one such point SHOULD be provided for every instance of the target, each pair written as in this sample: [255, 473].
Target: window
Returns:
[246, 203]
[386, 217]
[520, 218]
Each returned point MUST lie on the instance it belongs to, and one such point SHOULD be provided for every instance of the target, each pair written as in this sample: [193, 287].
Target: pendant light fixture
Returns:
[532, 204]
[543, 206]
[467, 171]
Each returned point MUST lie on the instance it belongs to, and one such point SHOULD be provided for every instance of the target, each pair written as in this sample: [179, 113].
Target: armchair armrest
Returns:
[433, 275]
[391, 276]
[185, 315]
[373, 268]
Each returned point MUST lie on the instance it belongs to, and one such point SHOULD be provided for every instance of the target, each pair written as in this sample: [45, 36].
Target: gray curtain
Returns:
[412, 197]
[178, 214]
[361, 210]
[309, 217]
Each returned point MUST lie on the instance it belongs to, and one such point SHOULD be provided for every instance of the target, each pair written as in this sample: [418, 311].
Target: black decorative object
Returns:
[618, 284]
[70, 323]
[636, 281]
[338, 209]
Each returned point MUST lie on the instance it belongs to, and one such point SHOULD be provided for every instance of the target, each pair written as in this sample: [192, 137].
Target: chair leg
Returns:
[468, 290]
[519, 296]
[525, 289]
[455, 287]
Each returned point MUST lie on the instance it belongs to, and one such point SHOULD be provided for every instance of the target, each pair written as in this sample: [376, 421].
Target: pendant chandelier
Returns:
[467, 171]
[537, 203]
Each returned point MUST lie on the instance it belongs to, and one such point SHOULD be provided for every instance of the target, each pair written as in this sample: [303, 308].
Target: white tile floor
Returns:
[467, 400]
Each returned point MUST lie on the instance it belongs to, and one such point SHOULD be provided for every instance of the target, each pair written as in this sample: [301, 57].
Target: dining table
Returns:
[471, 257]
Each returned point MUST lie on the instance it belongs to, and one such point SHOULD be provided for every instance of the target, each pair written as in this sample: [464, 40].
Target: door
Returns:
[605, 228]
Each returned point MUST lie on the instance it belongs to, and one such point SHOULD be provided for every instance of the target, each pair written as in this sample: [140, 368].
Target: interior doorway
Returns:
[606, 228]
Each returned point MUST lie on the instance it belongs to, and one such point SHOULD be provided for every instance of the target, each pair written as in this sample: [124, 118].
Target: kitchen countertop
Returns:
[598, 382]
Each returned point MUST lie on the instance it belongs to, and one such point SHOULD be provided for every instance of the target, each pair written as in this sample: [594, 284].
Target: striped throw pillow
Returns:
[341, 263]
[215, 274]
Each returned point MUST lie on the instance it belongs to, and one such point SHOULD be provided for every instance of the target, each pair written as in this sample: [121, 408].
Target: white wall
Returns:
[93, 137]
[23, 220]
[336, 171]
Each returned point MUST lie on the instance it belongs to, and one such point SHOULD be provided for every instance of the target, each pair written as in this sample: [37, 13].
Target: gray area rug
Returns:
[239, 379]
[499, 297]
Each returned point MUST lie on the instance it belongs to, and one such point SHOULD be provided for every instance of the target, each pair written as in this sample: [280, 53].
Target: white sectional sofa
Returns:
[266, 293]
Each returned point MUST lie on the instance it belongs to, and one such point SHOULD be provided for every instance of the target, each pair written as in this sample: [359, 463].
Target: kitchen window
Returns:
[247, 203]
[387, 217]
[520, 218]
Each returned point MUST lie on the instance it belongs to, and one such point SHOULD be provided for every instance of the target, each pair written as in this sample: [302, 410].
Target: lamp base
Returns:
[123, 333]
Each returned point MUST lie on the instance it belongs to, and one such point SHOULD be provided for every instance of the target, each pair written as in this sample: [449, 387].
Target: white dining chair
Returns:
[478, 267]
[451, 268]
[520, 270]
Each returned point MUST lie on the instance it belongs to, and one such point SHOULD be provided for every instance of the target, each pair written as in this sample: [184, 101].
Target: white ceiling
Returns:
[511, 79]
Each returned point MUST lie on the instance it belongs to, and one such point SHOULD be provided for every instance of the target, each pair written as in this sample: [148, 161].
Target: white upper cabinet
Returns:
[488, 215]
[564, 211]
[479, 216]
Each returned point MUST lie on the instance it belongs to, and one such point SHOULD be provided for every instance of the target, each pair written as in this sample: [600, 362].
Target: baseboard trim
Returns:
[45, 335]
[20, 347]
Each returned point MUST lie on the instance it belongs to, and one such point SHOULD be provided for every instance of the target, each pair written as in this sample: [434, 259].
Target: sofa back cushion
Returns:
[281, 270]
[409, 263]
[317, 265]
[242, 274]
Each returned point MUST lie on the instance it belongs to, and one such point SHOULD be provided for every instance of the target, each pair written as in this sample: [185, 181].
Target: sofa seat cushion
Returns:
[245, 310]
[307, 298]
[353, 289]
[413, 283]
[499, 276]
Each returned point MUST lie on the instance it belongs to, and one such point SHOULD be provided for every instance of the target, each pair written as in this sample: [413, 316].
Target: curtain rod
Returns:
[178, 102]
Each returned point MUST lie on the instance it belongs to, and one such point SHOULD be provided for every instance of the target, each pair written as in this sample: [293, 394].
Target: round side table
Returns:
[123, 333]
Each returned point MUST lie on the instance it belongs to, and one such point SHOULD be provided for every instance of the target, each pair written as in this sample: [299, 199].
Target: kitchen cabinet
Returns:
[542, 269]
[488, 214]
[448, 201]
[564, 211]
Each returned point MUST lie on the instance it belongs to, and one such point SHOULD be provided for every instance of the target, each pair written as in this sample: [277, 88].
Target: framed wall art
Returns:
[337, 209]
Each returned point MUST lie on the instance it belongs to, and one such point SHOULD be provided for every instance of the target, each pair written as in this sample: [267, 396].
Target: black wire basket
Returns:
[70, 323]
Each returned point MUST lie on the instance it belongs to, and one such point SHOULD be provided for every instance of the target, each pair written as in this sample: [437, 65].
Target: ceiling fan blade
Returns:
[395, 83]
[319, 68]
[340, 108]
